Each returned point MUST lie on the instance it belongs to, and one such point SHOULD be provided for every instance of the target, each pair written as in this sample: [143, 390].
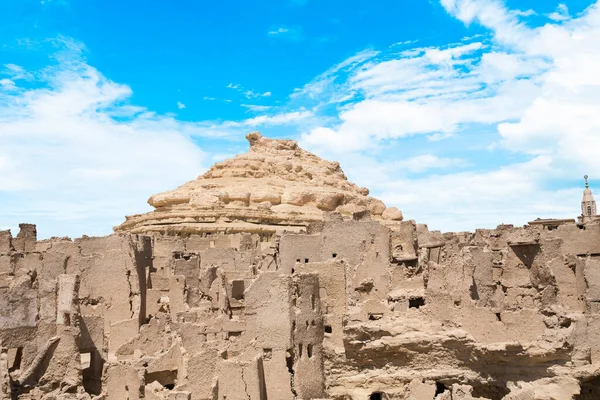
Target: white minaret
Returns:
[588, 204]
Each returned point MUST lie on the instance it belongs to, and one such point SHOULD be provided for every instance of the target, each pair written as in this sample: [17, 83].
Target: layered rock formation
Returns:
[276, 185]
[329, 301]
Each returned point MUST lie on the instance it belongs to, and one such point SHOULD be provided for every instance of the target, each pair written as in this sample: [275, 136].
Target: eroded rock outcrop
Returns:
[276, 185]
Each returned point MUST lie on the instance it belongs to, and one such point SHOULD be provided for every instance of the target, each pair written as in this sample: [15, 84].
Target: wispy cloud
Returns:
[7, 84]
[68, 127]
[525, 96]
[16, 72]
[248, 93]
[95, 153]
[428, 162]
[293, 33]
[256, 108]
[180, 105]
[278, 31]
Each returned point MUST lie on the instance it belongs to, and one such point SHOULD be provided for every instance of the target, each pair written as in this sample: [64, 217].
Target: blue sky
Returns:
[462, 113]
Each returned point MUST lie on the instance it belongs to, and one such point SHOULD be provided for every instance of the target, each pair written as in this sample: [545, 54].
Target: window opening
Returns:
[237, 289]
[417, 302]
[14, 359]
[375, 316]
[267, 354]
[440, 388]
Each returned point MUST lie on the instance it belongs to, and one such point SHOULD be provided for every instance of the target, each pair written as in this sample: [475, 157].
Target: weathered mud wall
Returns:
[349, 310]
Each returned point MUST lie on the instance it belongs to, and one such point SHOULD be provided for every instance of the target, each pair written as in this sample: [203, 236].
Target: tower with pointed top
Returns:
[588, 204]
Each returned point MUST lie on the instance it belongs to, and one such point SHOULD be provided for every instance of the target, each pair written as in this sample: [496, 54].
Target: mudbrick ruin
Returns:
[273, 277]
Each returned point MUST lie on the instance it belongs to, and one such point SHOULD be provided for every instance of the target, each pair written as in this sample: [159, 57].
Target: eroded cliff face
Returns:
[348, 305]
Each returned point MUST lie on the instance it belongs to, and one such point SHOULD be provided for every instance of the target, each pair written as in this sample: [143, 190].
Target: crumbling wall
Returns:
[63, 301]
[351, 310]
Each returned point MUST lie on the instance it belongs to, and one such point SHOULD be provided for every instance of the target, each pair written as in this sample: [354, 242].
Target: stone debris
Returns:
[273, 277]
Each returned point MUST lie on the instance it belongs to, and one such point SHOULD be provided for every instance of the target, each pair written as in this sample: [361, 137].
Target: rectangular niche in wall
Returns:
[237, 289]
[416, 302]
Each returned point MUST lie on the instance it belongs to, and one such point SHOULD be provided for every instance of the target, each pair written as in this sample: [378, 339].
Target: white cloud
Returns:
[272, 120]
[256, 108]
[471, 199]
[180, 105]
[525, 13]
[428, 162]
[513, 110]
[293, 33]
[278, 31]
[68, 166]
[7, 84]
[248, 93]
[16, 72]
[533, 93]
[561, 13]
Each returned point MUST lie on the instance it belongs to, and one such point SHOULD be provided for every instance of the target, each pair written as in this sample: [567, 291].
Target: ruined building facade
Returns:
[273, 277]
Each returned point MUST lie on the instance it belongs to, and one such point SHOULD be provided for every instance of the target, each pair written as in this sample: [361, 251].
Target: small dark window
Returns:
[309, 350]
[440, 388]
[234, 335]
[589, 210]
[328, 329]
[416, 302]
[305, 260]
[297, 260]
[498, 317]
[67, 319]
[300, 351]
[237, 290]
[375, 396]
[267, 354]
[312, 301]
[334, 255]
[375, 316]
[293, 270]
